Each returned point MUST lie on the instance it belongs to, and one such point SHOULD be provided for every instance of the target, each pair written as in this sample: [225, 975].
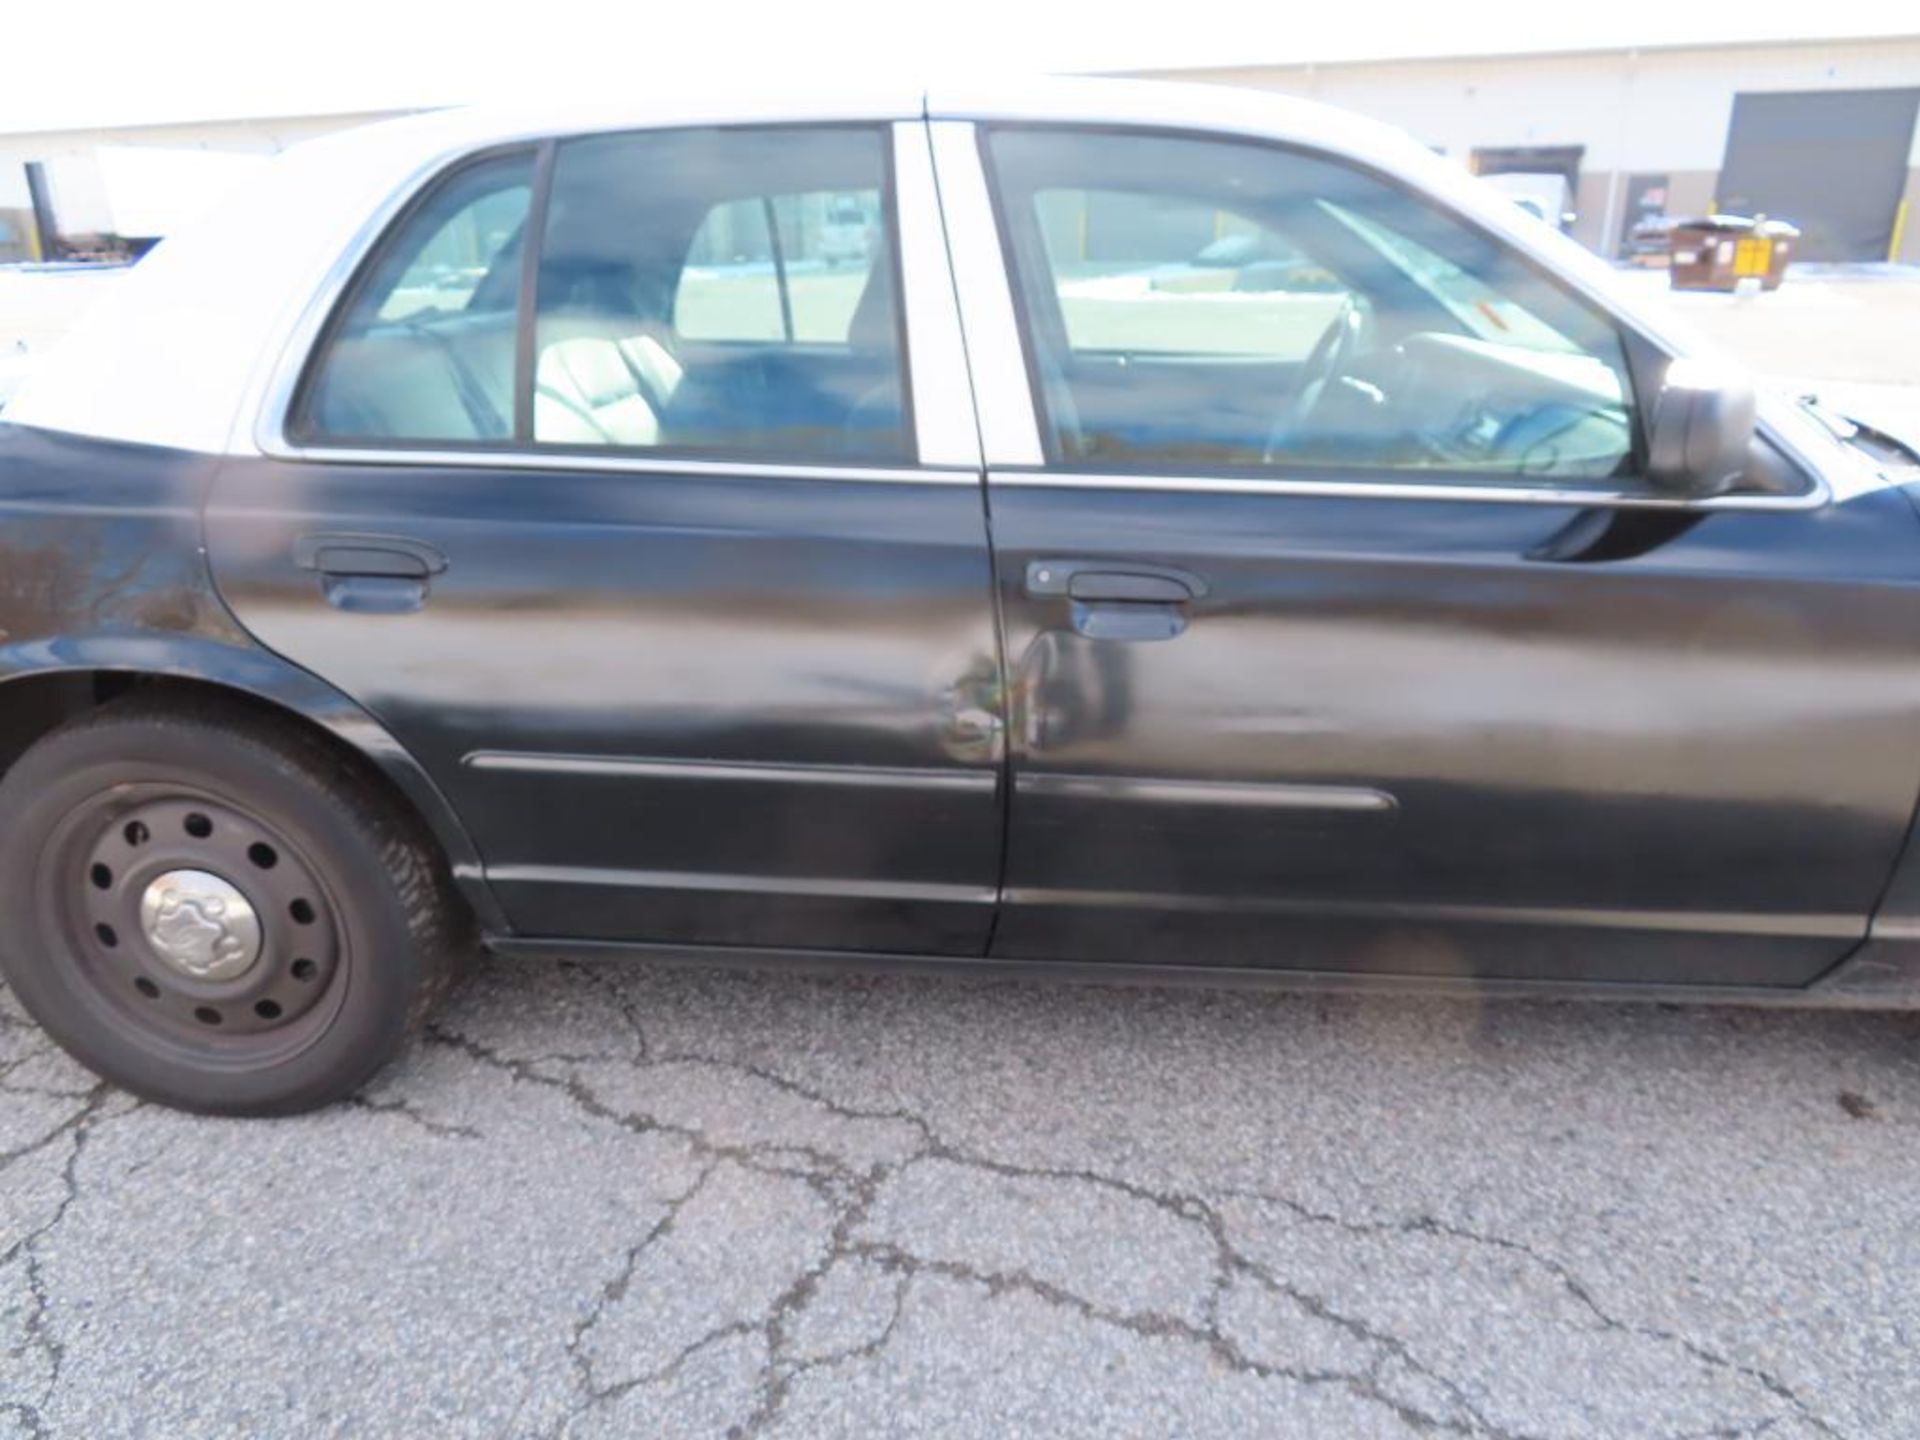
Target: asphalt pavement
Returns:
[603, 1201]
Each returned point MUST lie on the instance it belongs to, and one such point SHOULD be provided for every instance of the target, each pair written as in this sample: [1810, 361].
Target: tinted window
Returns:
[781, 267]
[424, 350]
[722, 290]
[1226, 303]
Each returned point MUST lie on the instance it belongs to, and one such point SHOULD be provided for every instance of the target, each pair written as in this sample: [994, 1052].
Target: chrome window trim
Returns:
[1444, 490]
[924, 282]
[993, 353]
[627, 463]
[1010, 424]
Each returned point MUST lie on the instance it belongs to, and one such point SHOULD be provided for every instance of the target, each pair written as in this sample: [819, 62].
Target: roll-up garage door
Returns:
[1833, 162]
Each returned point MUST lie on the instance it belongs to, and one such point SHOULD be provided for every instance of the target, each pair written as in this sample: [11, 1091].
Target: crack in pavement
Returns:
[858, 1164]
[821, 1171]
[615, 1290]
[402, 1110]
[39, 1334]
[853, 1190]
[1574, 1287]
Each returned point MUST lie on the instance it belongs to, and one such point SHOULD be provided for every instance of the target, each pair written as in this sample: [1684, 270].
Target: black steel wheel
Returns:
[222, 913]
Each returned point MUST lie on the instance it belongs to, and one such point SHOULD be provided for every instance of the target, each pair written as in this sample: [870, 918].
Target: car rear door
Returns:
[660, 543]
[1409, 674]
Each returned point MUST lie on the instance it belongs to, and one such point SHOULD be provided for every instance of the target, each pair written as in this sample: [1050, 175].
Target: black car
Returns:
[569, 536]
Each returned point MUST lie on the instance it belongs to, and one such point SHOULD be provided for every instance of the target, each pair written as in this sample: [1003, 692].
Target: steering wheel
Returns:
[1332, 355]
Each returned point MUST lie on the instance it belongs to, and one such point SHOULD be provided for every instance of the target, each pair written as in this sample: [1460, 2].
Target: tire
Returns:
[216, 911]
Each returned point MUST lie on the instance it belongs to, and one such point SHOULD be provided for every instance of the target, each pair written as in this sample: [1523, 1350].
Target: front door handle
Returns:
[1124, 580]
[370, 574]
[1118, 599]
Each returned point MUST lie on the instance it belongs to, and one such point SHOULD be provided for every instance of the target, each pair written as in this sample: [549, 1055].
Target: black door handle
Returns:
[390, 556]
[1118, 599]
[370, 574]
[1122, 580]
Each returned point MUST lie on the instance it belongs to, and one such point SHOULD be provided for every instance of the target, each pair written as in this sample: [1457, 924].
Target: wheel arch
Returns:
[43, 686]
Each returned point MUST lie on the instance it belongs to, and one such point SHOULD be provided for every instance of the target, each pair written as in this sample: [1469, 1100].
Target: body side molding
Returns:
[634, 767]
[1352, 799]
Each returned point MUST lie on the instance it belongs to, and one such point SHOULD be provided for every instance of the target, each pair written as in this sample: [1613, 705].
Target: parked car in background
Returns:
[847, 229]
[1546, 197]
[539, 545]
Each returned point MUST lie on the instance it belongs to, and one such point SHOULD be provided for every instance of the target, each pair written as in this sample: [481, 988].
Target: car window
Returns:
[725, 290]
[1221, 303]
[731, 287]
[1469, 298]
[786, 268]
[1156, 274]
[424, 350]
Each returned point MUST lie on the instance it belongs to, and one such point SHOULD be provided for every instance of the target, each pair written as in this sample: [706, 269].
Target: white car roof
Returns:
[180, 353]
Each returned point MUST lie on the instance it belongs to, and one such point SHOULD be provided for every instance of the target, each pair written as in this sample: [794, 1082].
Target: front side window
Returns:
[424, 349]
[1221, 303]
[730, 290]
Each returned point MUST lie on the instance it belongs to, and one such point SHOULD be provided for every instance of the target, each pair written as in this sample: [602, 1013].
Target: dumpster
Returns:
[1718, 252]
[1782, 236]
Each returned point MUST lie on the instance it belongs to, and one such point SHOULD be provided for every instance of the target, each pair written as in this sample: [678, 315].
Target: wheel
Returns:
[215, 911]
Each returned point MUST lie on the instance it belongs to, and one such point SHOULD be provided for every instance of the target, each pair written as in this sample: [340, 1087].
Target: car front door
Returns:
[1342, 632]
[610, 491]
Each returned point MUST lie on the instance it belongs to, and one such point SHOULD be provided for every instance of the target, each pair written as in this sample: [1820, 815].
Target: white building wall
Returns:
[1663, 111]
[249, 137]
[1633, 110]
[98, 182]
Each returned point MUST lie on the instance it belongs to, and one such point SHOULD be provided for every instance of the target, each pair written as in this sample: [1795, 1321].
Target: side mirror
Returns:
[1702, 431]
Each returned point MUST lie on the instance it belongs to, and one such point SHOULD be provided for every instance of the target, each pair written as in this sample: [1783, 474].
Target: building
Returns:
[1821, 133]
[63, 191]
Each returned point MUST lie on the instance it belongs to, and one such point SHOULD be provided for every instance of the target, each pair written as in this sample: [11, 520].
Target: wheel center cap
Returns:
[200, 925]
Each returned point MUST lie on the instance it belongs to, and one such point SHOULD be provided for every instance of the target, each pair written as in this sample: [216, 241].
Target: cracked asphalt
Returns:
[605, 1201]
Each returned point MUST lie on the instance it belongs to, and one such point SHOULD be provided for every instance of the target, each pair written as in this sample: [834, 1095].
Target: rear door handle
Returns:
[389, 556]
[370, 574]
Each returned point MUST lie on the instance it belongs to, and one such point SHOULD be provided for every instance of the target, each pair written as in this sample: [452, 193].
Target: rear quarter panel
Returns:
[102, 570]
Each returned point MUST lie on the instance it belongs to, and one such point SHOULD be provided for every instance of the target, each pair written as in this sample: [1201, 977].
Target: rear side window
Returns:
[424, 350]
[781, 268]
[722, 290]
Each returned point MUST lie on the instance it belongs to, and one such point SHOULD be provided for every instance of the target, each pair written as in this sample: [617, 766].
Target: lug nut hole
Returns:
[136, 833]
[106, 935]
[102, 877]
[305, 969]
[267, 1009]
[198, 826]
[146, 987]
[263, 855]
[207, 1015]
[301, 911]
